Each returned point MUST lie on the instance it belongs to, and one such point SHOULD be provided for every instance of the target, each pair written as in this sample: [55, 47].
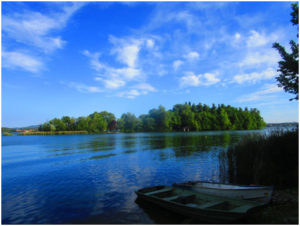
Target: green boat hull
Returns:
[208, 208]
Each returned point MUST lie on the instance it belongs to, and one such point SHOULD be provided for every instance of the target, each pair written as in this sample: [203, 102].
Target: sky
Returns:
[75, 58]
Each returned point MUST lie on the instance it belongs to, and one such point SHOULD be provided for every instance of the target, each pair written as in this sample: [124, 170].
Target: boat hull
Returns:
[207, 208]
[255, 193]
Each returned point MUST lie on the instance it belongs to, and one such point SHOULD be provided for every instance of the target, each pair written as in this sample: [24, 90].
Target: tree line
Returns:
[195, 117]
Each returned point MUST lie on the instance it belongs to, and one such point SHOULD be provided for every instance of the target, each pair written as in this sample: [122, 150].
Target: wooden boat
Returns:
[204, 207]
[250, 192]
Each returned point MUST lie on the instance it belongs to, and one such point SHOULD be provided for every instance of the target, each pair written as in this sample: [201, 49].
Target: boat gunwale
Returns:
[216, 196]
[227, 189]
[252, 188]
[195, 207]
[211, 215]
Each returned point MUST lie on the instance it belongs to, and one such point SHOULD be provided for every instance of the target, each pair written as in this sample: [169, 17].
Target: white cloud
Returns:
[111, 83]
[192, 56]
[145, 87]
[177, 64]
[129, 94]
[113, 78]
[256, 39]
[94, 61]
[211, 79]
[237, 36]
[162, 72]
[110, 72]
[189, 19]
[82, 88]
[150, 43]
[266, 58]
[127, 50]
[269, 73]
[128, 54]
[196, 80]
[18, 60]
[260, 95]
[34, 28]
[163, 15]
[127, 73]
[190, 80]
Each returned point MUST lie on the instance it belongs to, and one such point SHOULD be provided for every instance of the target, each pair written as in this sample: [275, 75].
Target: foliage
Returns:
[289, 66]
[94, 123]
[270, 159]
[196, 117]
[5, 129]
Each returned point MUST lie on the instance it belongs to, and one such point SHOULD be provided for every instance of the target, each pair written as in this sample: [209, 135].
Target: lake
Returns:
[90, 179]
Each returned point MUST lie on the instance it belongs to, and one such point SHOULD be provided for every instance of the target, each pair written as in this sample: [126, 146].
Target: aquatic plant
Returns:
[270, 159]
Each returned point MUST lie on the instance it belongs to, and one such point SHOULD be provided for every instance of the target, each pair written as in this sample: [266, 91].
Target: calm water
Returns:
[90, 179]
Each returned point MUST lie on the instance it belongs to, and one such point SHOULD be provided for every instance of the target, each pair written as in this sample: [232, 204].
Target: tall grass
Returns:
[269, 159]
[53, 133]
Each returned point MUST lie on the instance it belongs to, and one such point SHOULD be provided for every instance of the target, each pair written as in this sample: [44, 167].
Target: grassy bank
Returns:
[7, 134]
[53, 133]
[268, 159]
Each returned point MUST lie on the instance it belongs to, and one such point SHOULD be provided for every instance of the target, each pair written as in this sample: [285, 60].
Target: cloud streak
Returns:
[33, 31]
[18, 60]
[82, 88]
[260, 95]
[35, 28]
[255, 76]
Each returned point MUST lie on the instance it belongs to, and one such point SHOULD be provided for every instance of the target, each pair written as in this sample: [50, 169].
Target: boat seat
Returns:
[242, 209]
[171, 198]
[211, 204]
[159, 191]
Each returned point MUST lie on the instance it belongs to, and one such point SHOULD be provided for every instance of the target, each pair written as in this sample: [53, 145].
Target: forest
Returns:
[195, 117]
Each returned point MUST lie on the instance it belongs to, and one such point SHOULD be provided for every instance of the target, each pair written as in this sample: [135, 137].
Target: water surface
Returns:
[90, 179]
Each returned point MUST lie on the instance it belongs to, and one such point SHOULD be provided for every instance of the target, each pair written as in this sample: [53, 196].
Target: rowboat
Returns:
[249, 192]
[204, 207]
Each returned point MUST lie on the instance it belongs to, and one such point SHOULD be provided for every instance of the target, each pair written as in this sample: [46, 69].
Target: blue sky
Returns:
[74, 58]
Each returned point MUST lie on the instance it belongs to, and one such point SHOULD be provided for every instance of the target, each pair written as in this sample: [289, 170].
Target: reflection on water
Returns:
[91, 178]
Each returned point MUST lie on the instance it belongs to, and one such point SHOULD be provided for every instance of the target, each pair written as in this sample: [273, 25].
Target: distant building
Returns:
[186, 129]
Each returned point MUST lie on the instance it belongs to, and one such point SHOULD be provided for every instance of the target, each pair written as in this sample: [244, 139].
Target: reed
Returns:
[53, 133]
[269, 159]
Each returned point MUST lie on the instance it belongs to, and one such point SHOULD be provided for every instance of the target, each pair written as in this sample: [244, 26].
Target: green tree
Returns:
[164, 119]
[224, 120]
[73, 122]
[150, 124]
[40, 127]
[52, 127]
[59, 125]
[120, 124]
[130, 122]
[67, 121]
[46, 126]
[289, 66]
[97, 123]
[107, 116]
[82, 123]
